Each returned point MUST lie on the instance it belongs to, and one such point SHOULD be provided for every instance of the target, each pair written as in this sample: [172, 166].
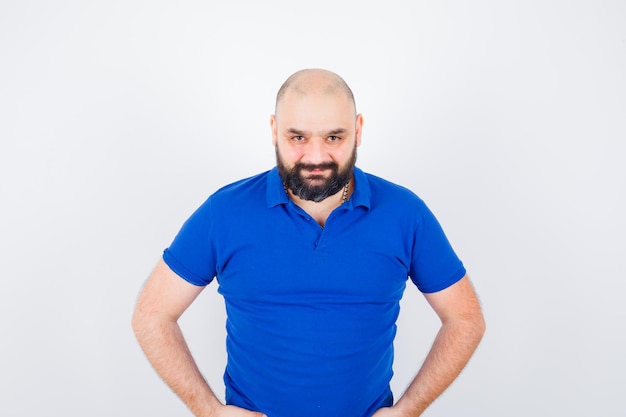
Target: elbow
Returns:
[479, 326]
[474, 325]
[135, 322]
[138, 323]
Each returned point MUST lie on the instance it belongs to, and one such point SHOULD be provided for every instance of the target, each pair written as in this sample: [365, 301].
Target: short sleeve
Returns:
[434, 264]
[192, 252]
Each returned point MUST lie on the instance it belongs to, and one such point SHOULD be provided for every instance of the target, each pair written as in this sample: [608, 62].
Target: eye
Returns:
[297, 138]
[334, 138]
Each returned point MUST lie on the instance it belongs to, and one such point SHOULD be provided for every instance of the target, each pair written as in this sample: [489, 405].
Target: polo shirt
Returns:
[311, 310]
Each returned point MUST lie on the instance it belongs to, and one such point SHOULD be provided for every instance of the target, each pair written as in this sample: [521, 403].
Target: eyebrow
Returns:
[338, 131]
[295, 131]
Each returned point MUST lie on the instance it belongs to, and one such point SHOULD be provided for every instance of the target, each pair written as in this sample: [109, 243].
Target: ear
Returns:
[358, 128]
[274, 129]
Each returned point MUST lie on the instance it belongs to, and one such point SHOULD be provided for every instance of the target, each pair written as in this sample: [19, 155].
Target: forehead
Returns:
[315, 109]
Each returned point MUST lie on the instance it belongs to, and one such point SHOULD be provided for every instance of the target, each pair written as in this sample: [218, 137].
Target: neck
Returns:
[321, 210]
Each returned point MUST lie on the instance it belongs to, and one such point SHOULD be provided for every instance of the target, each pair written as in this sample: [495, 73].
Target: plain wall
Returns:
[118, 118]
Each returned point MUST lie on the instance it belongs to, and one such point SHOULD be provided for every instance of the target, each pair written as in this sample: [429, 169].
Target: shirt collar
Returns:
[276, 194]
[362, 193]
[275, 191]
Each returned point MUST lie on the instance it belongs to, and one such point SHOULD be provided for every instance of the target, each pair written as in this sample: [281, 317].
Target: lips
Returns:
[317, 170]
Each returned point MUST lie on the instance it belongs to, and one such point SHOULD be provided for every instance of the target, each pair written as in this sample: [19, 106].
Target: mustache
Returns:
[311, 167]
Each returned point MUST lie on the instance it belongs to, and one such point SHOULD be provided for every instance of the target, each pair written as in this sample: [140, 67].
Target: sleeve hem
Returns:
[183, 272]
[442, 285]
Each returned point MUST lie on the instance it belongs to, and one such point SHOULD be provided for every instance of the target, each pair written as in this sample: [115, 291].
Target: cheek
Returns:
[341, 156]
[289, 155]
[348, 156]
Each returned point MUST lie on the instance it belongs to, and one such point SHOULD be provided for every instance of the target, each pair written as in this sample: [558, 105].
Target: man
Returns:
[312, 259]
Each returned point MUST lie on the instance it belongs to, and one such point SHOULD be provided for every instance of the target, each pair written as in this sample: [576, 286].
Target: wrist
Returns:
[403, 408]
[214, 408]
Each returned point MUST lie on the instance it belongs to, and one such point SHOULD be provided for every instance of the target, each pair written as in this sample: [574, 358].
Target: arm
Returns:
[462, 327]
[162, 301]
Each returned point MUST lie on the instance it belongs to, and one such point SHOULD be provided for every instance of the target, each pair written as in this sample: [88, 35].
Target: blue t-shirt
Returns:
[311, 311]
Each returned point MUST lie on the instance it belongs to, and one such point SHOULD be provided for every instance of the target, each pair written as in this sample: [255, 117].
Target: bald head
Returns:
[315, 81]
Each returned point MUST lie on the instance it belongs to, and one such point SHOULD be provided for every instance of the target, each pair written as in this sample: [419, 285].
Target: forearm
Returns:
[164, 345]
[454, 345]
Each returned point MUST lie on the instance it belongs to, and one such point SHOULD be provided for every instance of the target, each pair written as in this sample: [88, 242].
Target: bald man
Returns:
[312, 258]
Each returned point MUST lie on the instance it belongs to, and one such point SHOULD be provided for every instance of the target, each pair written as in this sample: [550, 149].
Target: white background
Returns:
[118, 118]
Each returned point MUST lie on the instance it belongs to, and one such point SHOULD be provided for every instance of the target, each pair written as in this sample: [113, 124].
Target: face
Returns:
[316, 136]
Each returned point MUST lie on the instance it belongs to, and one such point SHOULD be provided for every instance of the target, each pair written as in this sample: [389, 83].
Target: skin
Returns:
[315, 122]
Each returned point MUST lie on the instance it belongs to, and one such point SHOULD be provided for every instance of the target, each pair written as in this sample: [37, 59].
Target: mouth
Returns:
[317, 171]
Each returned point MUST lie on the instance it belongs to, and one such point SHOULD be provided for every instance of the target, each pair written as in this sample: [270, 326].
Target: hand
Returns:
[234, 411]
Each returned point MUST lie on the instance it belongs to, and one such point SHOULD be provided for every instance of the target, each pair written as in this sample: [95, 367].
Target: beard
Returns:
[315, 187]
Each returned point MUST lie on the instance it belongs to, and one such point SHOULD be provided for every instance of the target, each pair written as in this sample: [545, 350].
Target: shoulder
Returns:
[386, 192]
[244, 185]
[233, 197]
[242, 190]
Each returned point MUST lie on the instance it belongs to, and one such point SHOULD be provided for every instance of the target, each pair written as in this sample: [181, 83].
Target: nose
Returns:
[316, 152]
